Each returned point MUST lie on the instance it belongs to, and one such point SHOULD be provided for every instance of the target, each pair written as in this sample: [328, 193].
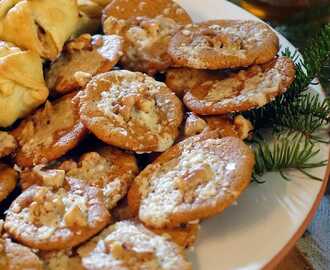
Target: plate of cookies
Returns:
[123, 143]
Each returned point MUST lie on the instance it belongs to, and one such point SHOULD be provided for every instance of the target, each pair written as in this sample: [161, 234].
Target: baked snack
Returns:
[14, 256]
[22, 85]
[47, 24]
[222, 44]
[193, 180]
[7, 144]
[123, 10]
[131, 110]
[146, 42]
[243, 90]
[227, 126]
[83, 58]
[128, 245]
[49, 218]
[8, 178]
[180, 80]
[49, 133]
[60, 260]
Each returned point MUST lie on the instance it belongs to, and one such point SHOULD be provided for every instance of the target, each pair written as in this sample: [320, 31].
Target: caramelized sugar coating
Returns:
[129, 245]
[242, 91]
[146, 41]
[49, 218]
[193, 180]
[131, 110]
[122, 9]
[83, 58]
[8, 178]
[14, 256]
[223, 44]
[49, 133]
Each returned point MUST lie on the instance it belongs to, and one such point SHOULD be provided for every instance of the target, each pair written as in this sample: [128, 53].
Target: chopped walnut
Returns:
[194, 125]
[50, 178]
[7, 144]
[243, 126]
[82, 78]
[75, 217]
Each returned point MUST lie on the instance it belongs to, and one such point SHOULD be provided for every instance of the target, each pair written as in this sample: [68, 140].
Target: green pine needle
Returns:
[293, 151]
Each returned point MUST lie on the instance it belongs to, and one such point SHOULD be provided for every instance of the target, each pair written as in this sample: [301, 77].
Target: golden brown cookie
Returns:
[227, 126]
[49, 133]
[14, 256]
[180, 80]
[185, 235]
[222, 44]
[60, 260]
[52, 219]
[193, 180]
[8, 178]
[242, 91]
[123, 9]
[129, 245]
[146, 42]
[131, 110]
[83, 58]
[7, 144]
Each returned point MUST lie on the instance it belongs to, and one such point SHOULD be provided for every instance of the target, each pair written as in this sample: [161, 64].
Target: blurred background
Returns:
[299, 20]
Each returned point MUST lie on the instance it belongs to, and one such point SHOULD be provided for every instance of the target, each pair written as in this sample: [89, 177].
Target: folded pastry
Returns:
[22, 85]
[42, 26]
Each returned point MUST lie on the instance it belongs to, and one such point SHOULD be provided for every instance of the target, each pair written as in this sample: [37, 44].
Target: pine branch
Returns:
[288, 152]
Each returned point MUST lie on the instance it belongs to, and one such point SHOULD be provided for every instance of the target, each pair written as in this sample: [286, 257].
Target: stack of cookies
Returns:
[140, 141]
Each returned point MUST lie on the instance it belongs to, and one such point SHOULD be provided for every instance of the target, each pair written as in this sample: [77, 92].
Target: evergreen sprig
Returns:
[294, 151]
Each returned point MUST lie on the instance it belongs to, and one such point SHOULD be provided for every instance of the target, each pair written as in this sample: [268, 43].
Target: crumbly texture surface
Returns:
[223, 44]
[194, 179]
[86, 55]
[8, 179]
[146, 42]
[242, 91]
[7, 144]
[46, 218]
[49, 133]
[128, 245]
[14, 256]
[123, 9]
[131, 110]
[60, 260]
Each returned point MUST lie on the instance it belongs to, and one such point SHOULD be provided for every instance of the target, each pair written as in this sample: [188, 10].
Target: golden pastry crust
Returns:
[180, 80]
[86, 55]
[47, 24]
[226, 125]
[8, 178]
[131, 110]
[50, 219]
[122, 9]
[242, 91]
[14, 256]
[223, 44]
[7, 144]
[146, 42]
[128, 245]
[22, 85]
[49, 133]
[193, 180]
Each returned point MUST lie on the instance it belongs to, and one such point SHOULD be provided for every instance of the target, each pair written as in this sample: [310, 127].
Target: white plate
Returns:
[268, 218]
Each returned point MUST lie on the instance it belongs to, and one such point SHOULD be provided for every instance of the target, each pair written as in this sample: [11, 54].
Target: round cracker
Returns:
[49, 133]
[48, 219]
[128, 245]
[84, 56]
[223, 44]
[123, 9]
[193, 180]
[14, 256]
[8, 178]
[131, 110]
[146, 42]
[242, 91]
